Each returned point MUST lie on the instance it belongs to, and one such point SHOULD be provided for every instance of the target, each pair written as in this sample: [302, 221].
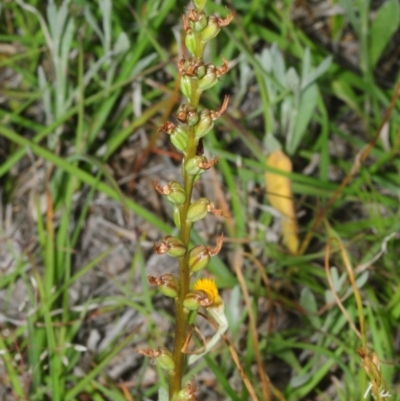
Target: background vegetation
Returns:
[84, 87]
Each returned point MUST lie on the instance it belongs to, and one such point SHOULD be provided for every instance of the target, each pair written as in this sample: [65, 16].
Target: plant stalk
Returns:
[181, 326]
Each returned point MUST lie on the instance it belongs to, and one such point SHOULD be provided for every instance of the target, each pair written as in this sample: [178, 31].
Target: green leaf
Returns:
[308, 302]
[345, 92]
[162, 394]
[293, 80]
[308, 101]
[297, 381]
[310, 77]
[272, 143]
[278, 65]
[122, 44]
[386, 23]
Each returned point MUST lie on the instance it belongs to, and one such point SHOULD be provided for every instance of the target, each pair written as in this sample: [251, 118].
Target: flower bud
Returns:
[177, 217]
[192, 166]
[205, 124]
[187, 114]
[178, 194]
[186, 85]
[195, 299]
[165, 360]
[214, 26]
[176, 247]
[167, 284]
[198, 209]
[207, 118]
[188, 393]
[192, 118]
[197, 164]
[178, 135]
[173, 191]
[199, 258]
[211, 30]
[198, 20]
[200, 255]
[179, 138]
[191, 40]
[194, 67]
[200, 4]
[200, 71]
[172, 246]
[161, 356]
[210, 78]
[194, 43]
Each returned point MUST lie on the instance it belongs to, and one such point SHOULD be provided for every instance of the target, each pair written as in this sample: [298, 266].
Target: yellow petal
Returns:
[208, 286]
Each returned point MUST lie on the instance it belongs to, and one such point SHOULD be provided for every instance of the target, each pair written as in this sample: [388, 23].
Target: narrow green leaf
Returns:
[308, 102]
[309, 303]
[385, 24]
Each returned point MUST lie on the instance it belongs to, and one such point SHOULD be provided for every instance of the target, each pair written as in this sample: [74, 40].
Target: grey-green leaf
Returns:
[162, 394]
[308, 101]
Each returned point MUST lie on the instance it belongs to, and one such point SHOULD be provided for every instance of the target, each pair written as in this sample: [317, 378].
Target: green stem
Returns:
[181, 313]
[181, 327]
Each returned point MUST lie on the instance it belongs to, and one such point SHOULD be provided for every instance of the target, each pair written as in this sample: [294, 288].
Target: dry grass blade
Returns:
[360, 335]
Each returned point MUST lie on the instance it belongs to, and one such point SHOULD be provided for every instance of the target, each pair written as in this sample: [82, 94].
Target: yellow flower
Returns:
[209, 288]
[210, 300]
